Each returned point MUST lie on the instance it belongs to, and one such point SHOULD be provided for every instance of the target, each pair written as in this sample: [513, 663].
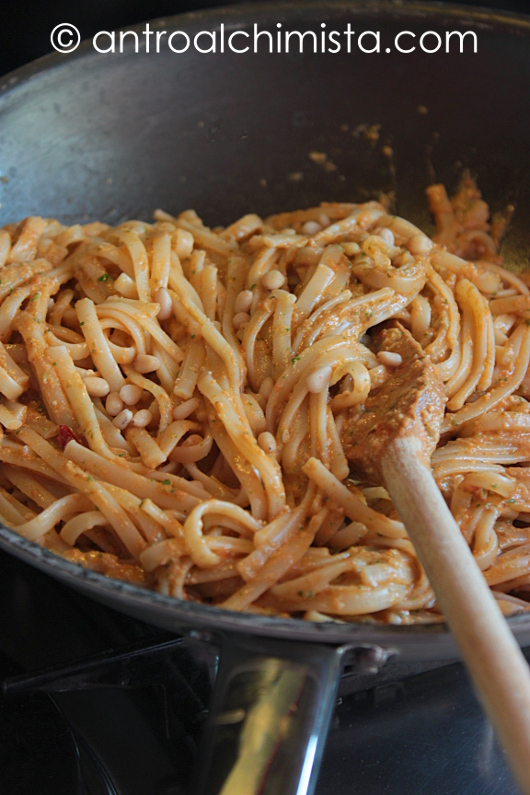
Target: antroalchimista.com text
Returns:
[282, 41]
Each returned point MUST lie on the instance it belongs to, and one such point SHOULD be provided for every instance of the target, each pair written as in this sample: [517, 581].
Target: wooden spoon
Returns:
[390, 441]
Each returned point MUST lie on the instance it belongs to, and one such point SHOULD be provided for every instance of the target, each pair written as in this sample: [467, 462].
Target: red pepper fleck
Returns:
[66, 435]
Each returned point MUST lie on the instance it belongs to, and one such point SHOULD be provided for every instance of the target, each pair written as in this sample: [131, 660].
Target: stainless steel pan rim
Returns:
[426, 641]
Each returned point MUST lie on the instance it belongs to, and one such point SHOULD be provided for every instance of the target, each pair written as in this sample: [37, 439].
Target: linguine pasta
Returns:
[175, 399]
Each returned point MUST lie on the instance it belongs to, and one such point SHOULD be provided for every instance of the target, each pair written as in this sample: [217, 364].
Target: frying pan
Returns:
[93, 136]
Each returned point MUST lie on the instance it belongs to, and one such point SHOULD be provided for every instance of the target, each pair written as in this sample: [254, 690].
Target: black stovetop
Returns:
[129, 722]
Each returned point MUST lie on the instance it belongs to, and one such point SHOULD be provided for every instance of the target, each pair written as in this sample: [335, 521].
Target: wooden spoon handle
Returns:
[494, 660]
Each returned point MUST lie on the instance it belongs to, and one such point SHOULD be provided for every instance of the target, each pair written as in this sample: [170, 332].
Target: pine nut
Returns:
[96, 387]
[183, 242]
[419, 244]
[311, 228]
[350, 249]
[144, 363]
[267, 442]
[272, 280]
[239, 319]
[243, 301]
[123, 419]
[267, 385]
[142, 418]
[389, 358]
[113, 404]
[131, 394]
[387, 235]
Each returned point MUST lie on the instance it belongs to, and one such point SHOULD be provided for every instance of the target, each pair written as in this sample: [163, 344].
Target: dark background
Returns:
[25, 25]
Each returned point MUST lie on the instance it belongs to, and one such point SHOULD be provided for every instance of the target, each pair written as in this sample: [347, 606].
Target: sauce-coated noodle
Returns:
[174, 399]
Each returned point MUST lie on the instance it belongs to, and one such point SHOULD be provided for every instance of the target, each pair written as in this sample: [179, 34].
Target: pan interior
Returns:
[92, 136]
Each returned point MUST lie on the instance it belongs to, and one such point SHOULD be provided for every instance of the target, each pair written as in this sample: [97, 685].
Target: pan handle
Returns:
[271, 709]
